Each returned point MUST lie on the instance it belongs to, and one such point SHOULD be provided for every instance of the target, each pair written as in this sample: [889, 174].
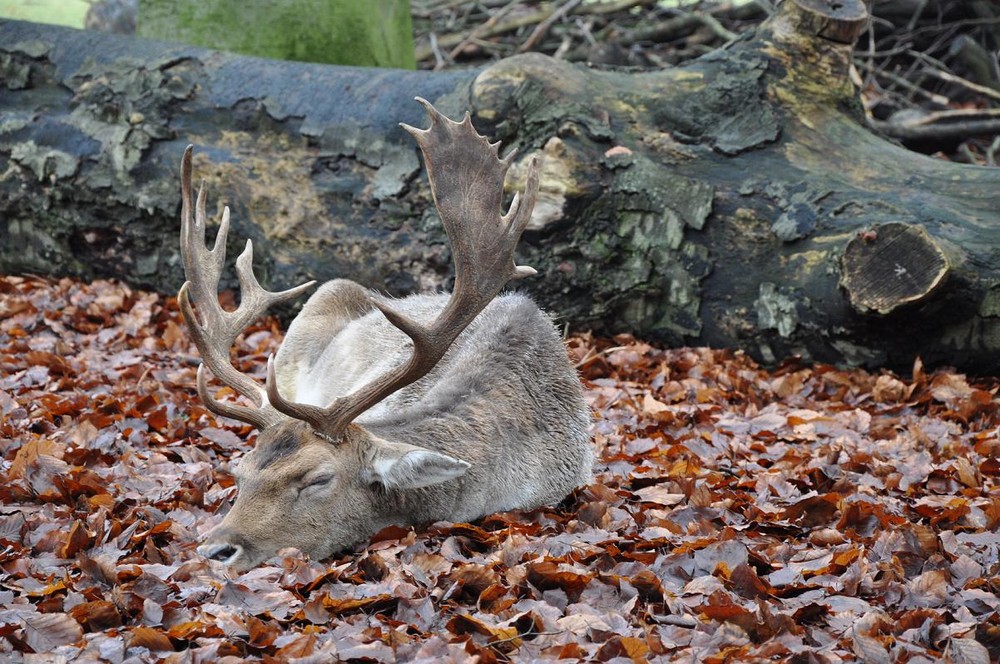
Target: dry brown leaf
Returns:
[950, 389]
[191, 630]
[301, 645]
[44, 632]
[869, 650]
[930, 589]
[661, 494]
[548, 575]
[651, 406]
[626, 647]
[29, 453]
[96, 616]
[966, 651]
[344, 605]
[889, 389]
[746, 583]
[147, 637]
[504, 639]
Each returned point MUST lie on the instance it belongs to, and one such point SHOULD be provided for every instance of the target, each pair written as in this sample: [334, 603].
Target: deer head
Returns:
[316, 480]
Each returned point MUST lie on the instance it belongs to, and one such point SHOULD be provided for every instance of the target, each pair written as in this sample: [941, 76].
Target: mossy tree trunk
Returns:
[373, 33]
[736, 201]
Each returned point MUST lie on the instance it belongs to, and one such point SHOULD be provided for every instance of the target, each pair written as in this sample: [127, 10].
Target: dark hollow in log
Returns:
[716, 203]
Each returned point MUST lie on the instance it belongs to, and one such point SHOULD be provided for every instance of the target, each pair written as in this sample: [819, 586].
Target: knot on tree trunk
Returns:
[841, 21]
[814, 41]
[891, 265]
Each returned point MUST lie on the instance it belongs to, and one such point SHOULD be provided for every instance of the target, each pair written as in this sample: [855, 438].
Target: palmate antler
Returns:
[466, 177]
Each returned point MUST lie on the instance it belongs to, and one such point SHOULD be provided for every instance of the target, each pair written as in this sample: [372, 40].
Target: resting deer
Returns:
[378, 412]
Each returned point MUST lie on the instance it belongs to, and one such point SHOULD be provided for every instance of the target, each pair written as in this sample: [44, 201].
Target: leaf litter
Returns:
[736, 514]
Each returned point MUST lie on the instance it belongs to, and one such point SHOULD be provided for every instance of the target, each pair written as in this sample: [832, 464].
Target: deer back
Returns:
[503, 397]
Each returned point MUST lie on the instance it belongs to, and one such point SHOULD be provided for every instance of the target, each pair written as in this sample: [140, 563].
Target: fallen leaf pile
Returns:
[808, 514]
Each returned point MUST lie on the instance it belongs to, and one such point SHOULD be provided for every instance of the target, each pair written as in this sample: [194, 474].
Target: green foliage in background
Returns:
[56, 12]
[376, 33]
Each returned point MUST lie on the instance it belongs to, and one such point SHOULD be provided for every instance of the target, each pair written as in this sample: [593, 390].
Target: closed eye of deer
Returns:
[316, 482]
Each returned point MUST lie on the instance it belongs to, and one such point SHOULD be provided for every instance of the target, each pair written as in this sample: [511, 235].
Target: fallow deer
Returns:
[378, 411]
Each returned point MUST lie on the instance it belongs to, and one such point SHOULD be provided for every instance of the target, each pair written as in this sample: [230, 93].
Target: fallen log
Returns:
[737, 201]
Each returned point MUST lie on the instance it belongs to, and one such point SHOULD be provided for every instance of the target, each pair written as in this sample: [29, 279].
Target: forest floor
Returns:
[804, 514]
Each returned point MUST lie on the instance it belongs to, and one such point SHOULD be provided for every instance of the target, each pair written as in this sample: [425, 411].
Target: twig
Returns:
[591, 356]
[438, 58]
[871, 54]
[767, 6]
[934, 128]
[972, 114]
[686, 23]
[518, 22]
[500, 48]
[542, 28]
[932, 61]
[586, 29]
[967, 22]
[715, 26]
[564, 46]
[905, 47]
[665, 31]
[921, 5]
[452, 40]
[968, 154]
[530, 632]
[599, 8]
[483, 27]
[975, 87]
[940, 100]
[445, 6]
[991, 152]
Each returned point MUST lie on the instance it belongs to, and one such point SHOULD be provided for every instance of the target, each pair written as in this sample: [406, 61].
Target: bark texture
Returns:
[737, 201]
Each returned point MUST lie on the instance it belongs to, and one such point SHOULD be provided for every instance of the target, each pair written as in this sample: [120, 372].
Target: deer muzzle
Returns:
[224, 546]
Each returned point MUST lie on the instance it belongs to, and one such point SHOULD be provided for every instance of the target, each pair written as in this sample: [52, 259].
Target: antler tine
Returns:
[519, 214]
[466, 176]
[254, 416]
[254, 298]
[207, 263]
[313, 415]
[214, 329]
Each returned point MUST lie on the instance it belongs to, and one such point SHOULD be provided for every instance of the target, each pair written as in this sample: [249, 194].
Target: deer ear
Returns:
[402, 466]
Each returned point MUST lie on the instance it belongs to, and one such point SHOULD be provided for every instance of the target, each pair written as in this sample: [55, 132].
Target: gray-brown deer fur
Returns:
[497, 423]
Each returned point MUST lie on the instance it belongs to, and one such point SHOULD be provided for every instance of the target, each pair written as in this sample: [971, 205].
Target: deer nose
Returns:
[224, 552]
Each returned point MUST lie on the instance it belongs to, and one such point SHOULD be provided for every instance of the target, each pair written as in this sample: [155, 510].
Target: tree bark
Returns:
[736, 201]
